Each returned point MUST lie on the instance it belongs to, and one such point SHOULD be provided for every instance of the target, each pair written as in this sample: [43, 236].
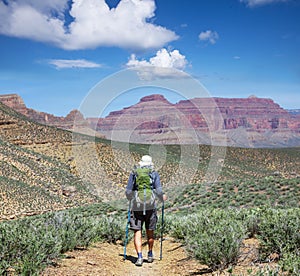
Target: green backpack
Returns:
[144, 193]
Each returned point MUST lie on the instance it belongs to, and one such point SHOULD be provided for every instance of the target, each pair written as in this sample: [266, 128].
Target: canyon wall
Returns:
[245, 122]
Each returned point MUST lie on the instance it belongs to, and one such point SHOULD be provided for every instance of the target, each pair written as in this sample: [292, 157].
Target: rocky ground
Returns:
[107, 260]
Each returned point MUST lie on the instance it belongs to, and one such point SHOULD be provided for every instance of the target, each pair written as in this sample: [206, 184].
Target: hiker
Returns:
[141, 211]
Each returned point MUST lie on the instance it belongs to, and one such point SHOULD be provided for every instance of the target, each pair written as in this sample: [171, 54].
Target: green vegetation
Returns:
[28, 245]
[279, 233]
[274, 191]
[215, 236]
[212, 236]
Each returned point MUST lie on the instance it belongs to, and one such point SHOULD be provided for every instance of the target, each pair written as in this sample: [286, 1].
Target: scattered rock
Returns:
[91, 263]
[68, 190]
[277, 173]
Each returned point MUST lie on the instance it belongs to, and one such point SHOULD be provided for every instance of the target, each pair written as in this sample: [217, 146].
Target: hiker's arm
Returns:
[129, 188]
[158, 188]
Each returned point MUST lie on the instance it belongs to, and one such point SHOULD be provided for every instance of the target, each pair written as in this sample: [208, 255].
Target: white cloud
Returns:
[164, 64]
[94, 24]
[209, 36]
[163, 58]
[237, 57]
[73, 63]
[254, 3]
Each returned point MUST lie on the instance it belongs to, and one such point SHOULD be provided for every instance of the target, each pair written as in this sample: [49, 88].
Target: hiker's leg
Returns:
[151, 222]
[138, 241]
[136, 224]
[150, 237]
[138, 247]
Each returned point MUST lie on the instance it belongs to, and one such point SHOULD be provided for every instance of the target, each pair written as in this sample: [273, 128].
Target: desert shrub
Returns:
[27, 245]
[217, 245]
[212, 236]
[279, 232]
[291, 262]
[179, 225]
[267, 271]
[251, 220]
[110, 229]
[26, 248]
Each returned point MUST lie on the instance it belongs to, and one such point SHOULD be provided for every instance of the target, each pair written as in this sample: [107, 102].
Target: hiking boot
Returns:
[150, 259]
[139, 262]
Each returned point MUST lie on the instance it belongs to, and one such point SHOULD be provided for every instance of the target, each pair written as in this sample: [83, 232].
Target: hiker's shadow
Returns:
[129, 258]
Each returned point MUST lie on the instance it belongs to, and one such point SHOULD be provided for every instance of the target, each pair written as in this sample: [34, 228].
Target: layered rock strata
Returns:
[250, 122]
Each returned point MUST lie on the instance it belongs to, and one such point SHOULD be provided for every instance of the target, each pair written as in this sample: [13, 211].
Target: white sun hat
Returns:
[146, 161]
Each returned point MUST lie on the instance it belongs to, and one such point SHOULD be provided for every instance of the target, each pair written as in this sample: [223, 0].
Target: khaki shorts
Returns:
[137, 220]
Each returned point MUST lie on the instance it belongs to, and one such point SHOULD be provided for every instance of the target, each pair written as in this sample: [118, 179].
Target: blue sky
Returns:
[53, 52]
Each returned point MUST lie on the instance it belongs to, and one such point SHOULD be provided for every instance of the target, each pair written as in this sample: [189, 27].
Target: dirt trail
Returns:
[107, 259]
[103, 259]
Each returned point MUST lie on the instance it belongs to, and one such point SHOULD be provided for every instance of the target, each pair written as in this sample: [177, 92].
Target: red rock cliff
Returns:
[15, 102]
[154, 116]
[251, 113]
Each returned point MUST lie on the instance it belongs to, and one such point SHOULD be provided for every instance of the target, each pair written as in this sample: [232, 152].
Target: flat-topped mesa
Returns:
[248, 106]
[145, 112]
[251, 113]
[154, 97]
[147, 101]
[154, 118]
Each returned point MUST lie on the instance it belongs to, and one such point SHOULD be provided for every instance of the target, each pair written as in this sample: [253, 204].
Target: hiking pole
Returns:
[162, 228]
[127, 230]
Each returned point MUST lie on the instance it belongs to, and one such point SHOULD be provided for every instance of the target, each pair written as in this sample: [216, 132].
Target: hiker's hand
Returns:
[164, 197]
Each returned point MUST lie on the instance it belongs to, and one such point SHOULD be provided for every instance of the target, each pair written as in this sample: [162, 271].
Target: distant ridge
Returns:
[15, 102]
[294, 111]
[244, 122]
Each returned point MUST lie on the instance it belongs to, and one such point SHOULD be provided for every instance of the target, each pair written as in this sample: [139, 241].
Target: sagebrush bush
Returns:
[279, 231]
[213, 237]
[28, 245]
[291, 262]
[110, 229]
